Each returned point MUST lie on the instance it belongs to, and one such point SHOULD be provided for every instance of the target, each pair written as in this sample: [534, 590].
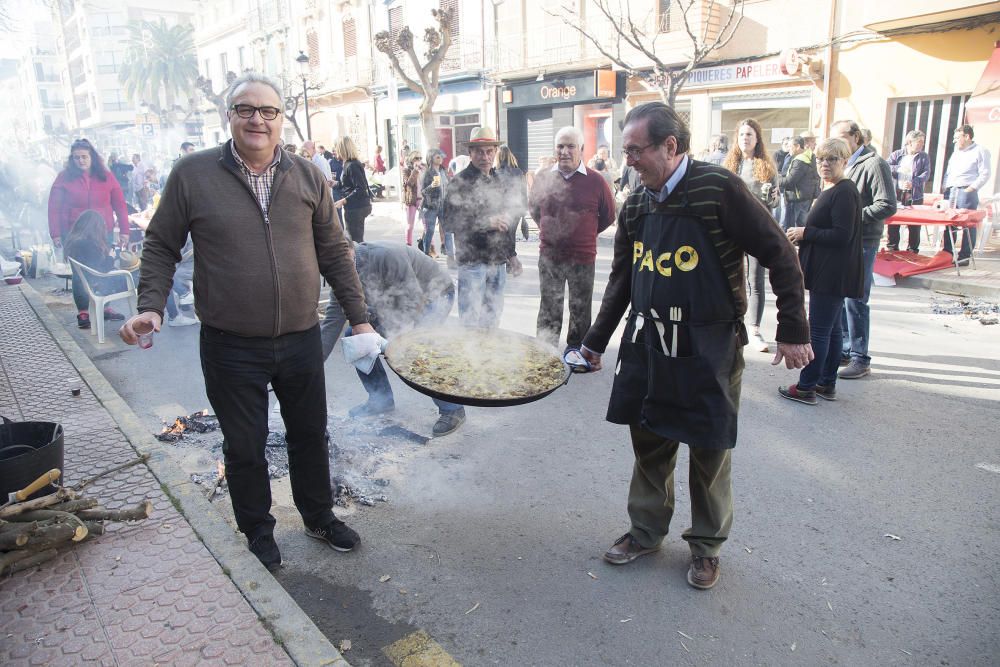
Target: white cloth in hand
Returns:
[362, 350]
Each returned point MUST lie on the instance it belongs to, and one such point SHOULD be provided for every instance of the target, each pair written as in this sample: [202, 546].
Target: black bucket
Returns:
[27, 451]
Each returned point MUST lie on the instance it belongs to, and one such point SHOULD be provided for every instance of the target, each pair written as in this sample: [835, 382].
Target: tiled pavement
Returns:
[145, 593]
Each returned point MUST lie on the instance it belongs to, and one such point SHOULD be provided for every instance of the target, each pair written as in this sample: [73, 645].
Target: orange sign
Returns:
[605, 83]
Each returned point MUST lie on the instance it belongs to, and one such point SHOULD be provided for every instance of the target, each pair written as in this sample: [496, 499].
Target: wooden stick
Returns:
[11, 540]
[76, 505]
[141, 511]
[142, 459]
[31, 560]
[80, 531]
[62, 495]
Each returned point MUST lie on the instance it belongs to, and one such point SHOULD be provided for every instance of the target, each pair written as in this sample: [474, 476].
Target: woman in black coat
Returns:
[356, 199]
[832, 265]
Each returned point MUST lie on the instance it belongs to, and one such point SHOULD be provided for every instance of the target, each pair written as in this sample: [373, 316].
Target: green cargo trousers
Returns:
[651, 493]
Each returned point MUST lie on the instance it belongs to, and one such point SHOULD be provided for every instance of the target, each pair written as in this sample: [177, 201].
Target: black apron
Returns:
[690, 394]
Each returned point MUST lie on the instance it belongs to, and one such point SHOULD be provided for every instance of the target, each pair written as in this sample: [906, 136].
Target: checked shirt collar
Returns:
[259, 183]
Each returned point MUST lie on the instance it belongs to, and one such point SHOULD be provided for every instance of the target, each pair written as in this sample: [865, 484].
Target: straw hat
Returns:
[483, 136]
[128, 260]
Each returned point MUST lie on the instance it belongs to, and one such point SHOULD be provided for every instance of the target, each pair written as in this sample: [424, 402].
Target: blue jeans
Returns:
[430, 222]
[480, 294]
[376, 383]
[826, 338]
[857, 314]
[795, 213]
[961, 199]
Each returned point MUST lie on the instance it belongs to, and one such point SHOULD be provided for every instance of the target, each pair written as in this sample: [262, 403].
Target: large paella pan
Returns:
[481, 367]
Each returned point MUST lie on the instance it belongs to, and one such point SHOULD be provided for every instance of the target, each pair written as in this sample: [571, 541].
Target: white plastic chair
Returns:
[97, 301]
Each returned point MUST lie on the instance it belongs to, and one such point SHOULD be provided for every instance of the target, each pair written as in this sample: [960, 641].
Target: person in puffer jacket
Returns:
[800, 185]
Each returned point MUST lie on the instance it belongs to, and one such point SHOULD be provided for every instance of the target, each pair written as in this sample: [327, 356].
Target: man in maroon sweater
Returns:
[571, 205]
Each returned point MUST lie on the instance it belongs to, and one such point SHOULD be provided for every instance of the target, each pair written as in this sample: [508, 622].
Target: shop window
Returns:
[937, 118]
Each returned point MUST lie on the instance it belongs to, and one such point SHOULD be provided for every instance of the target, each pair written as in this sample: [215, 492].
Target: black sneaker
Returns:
[793, 393]
[113, 315]
[371, 408]
[448, 422]
[266, 550]
[83, 320]
[337, 534]
[826, 392]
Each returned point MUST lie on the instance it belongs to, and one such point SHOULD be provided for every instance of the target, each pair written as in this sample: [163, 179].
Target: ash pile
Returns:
[363, 454]
[984, 311]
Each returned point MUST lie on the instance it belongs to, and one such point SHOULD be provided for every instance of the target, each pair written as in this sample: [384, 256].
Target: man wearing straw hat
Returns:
[476, 210]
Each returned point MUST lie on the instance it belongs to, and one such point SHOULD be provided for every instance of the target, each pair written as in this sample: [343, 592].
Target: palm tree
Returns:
[160, 65]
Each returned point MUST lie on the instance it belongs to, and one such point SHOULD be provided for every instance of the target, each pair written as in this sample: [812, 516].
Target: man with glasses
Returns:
[263, 229]
[477, 209]
[968, 171]
[873, 177]
[678, 267]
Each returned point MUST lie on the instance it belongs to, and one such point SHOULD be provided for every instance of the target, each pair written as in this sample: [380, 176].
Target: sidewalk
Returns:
[983, 281]
[179, 588]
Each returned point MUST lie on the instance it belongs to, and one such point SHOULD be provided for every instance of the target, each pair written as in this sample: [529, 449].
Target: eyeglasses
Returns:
[828, 160]
[635, 152]
[248, 110]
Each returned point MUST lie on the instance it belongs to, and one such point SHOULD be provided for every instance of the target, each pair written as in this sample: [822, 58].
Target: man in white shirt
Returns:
[968, 171]
[309, 151]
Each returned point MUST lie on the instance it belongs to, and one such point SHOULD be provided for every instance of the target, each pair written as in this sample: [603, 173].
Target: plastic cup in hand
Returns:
[144, 330]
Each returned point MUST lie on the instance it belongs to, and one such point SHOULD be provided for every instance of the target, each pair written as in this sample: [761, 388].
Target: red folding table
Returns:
[892, 263]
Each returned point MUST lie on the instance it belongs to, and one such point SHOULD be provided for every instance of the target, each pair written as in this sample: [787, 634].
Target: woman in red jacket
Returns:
[86, 184]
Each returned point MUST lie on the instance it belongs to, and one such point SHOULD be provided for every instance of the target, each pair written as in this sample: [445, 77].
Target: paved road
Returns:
[492, 536]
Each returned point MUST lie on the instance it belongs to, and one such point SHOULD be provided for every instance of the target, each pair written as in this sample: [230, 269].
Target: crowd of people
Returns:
[694, 243]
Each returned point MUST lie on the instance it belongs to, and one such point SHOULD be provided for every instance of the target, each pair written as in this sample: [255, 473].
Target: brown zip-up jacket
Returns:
[254, 274]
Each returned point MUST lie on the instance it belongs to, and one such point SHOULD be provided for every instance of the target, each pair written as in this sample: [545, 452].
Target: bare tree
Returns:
[292, 102]
[422, 79]
[218, 99]
[633, 42]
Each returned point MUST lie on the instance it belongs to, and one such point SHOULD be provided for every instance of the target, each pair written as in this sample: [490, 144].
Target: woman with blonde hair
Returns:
[411, 191]
[832, 259]
[748, 159]
[356, 200]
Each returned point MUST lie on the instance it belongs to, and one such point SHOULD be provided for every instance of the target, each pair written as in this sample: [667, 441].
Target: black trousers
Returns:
[355, 219]
[913, 243]
[553, 278]
[237, 371]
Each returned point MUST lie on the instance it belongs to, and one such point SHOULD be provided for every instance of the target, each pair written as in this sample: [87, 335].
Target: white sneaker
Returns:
[187, 299]
[182, 320]
[759, 342]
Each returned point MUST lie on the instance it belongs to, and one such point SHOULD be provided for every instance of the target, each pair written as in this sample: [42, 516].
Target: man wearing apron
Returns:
[678, 267]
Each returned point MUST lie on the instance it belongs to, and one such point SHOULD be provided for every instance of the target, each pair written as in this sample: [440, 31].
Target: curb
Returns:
[291, 628]
[950, 285]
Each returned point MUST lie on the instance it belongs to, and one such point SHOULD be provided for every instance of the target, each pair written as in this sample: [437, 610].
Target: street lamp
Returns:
[303, 61]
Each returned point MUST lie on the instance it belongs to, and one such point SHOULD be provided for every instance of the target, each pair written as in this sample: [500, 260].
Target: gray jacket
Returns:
[399, 281]
[873, 177]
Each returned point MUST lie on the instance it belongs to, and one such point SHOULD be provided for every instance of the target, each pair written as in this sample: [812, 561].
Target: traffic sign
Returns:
[147, 130]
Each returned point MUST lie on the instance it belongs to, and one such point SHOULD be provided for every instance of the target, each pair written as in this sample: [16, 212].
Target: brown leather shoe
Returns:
[625, 550]
[704, 572]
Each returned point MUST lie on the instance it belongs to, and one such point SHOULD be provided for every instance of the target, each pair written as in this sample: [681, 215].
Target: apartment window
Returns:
[395, 25]
[208, 68]
[350, 38]
[937, 118]
[241, 56]
[82, 107]
[453, 58]
[107, 62]
[312, 49]
[663, 10]
[224, 64]
[113, 100]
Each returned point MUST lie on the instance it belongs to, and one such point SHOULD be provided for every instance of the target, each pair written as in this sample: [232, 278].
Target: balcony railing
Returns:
[463, 56]
[351, 73]
[267, 14]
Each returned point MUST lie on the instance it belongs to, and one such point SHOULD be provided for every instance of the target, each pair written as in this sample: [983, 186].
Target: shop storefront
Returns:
[934, 93]
[460, 106]
[715, 99]
[532, 111]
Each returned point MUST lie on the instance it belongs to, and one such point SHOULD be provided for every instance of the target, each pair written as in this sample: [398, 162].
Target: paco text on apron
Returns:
[680, 362]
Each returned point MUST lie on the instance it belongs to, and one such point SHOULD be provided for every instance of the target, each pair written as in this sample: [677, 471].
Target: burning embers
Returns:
[198, 422]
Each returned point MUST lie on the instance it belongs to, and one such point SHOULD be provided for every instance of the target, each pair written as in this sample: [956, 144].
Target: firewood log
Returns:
[80, 530]
[141, 511]
[62, 495]
[24, 560]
